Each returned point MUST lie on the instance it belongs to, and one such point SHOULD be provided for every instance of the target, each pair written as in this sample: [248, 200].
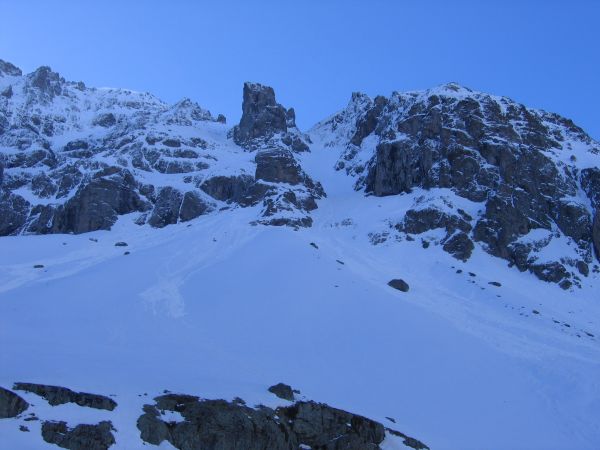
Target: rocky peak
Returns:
[185, 112]
[48, 83]
[9, 69]
[262, 116]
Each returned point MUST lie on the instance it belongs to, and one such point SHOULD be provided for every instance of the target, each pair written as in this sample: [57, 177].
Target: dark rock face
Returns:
[485, 149]
[417, 221]
[399, 284]
[596, 234]
[11, 405]
[105, 120]
[193, 206]
[171, 205]
[212, 424]
[82, 437]
[7, 93]
[398, 168]
[590, 182]
[321, 426]
[262, 116]
[57, 395]
[14, 210]
[457, 226]
[242, 189]
[166, 209]
[218, 424]
[95, 206]
[459, 245]
[283, 391]
[278, 166]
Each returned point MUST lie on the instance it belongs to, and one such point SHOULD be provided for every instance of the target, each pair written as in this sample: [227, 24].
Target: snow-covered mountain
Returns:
[428, 260]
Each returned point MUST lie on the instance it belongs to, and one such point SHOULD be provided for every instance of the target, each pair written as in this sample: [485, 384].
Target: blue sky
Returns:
[316, 53]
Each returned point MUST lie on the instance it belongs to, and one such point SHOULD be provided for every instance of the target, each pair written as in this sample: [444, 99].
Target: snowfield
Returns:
[220, 309]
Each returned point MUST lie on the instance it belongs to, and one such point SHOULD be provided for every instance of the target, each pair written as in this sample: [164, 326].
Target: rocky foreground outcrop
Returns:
[216, 424]
[188, 422]
[515, 167]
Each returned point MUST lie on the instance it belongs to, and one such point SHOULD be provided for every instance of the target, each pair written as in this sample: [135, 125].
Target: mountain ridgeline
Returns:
[521, 184]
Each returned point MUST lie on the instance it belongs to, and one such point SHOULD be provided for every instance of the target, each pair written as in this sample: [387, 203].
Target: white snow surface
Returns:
[219, 308]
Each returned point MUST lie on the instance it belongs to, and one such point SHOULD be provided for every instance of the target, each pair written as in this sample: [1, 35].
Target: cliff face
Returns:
[531, 177]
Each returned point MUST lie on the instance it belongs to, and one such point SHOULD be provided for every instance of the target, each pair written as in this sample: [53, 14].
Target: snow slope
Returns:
[219, 308]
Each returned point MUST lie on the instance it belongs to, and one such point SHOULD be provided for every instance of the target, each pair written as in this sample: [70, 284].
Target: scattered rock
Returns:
[495, 283]
[119, 244]
[399, 284]
[23, 428]
[314, 245]
[38, 266]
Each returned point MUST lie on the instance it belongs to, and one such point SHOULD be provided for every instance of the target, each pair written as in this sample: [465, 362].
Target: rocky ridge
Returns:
[484, 171]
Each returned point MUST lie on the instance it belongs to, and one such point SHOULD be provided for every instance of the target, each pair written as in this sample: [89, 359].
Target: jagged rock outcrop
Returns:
[219, 424]
[517, 163]
[57, 395]
[270, 129]
[11, 404]
[262, 116]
